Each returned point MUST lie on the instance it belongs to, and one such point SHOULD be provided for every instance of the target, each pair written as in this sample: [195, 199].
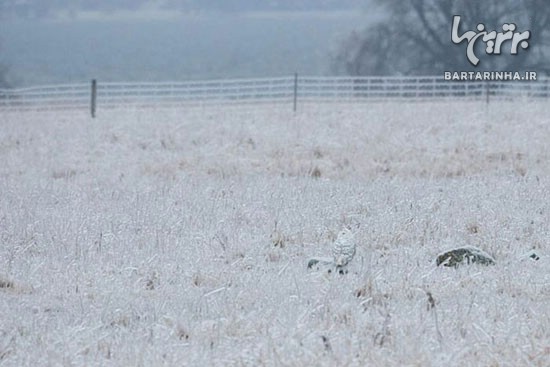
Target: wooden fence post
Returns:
[295, 91]
[93, 104]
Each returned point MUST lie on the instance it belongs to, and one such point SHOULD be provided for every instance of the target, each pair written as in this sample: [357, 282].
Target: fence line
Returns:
[291, 90]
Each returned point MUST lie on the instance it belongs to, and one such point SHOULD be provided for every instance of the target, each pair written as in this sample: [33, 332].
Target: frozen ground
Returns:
[177, 237]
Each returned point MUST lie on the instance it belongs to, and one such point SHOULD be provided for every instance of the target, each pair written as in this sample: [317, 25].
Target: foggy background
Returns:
[62, 41]
[53, 41]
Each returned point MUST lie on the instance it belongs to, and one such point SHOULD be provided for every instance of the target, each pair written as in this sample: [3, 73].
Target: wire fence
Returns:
[283, 90]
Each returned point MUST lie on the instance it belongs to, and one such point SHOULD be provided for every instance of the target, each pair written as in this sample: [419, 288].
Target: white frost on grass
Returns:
[146, 237]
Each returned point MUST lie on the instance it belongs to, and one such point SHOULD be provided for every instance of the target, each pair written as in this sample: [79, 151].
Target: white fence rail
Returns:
[273, 90]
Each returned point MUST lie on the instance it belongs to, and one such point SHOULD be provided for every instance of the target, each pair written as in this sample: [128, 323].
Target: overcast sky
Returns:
[56, 8]
[167, 42]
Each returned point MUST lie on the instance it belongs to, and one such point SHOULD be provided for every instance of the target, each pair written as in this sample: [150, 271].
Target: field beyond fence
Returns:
[291, 90]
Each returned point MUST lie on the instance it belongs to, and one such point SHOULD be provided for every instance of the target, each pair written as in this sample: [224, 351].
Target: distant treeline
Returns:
[48, 8]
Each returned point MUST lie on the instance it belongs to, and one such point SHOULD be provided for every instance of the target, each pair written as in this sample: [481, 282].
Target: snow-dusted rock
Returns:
[464, 255]
[531, 255]
[317, 263]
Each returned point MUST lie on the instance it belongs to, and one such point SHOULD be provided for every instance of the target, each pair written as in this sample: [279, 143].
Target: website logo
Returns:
[495, 42]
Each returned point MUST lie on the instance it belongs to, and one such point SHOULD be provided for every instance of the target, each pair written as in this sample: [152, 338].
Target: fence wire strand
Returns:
[261, 90]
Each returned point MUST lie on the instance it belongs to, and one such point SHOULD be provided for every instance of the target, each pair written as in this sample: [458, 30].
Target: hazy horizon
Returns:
[68, 9]
[165, 46]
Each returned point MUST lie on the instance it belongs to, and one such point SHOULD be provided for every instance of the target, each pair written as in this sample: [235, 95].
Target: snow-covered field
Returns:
[181, 237]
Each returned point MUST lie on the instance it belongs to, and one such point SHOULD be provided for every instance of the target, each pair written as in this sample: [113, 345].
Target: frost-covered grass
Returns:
[181, 237]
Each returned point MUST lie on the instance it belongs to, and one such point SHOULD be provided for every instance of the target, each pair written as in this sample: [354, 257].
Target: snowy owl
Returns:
[343, 250]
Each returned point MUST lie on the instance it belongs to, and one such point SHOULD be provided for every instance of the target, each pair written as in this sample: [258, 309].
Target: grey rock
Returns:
[464, 255]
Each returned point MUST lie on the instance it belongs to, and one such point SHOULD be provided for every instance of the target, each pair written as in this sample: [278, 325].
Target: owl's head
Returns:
[346, 233]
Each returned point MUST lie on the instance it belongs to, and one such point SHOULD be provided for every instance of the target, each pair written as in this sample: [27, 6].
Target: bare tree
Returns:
[4, 76]
[4, 80]
[414, 37]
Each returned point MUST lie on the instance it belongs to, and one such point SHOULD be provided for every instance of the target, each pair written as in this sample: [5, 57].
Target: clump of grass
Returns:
[182, 333]
[360, 292]
[6, 284]
[473, 228]
[317, 153]
[316, 172]
[151, 281]
[63, 173]
[197, 280]
[278, 239]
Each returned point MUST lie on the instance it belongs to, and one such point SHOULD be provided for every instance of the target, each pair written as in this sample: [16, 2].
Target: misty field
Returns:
[182, 236]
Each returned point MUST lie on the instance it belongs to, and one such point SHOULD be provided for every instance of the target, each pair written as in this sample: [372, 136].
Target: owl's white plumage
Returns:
[343, 249]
